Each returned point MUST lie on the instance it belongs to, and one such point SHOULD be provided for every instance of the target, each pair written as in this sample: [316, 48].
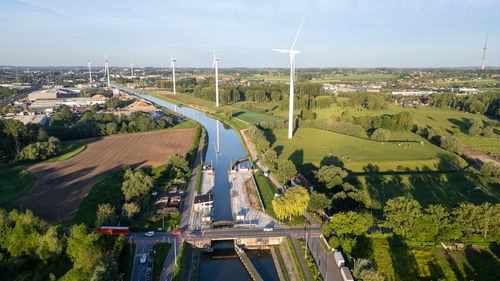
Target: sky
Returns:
[347, 33]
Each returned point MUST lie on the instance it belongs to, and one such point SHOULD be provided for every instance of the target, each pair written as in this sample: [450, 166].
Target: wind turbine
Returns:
[216, 65]
[172, 62]
[132, 69]
[90, 73]
[107, 69]
[292, 52]
[484, 53]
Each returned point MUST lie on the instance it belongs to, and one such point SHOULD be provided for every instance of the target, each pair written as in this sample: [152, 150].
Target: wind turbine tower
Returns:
[216, 65]
[484, 53]
[107, 69]
[172, 62]
[292, 52]
[132, 69]
[90, 73]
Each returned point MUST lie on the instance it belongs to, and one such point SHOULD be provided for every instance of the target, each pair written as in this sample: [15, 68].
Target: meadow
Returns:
[399, 261]
[313, 145]
[427, 187]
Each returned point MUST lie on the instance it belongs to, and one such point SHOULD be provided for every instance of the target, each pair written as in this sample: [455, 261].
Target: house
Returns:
[454, 245]
[300, 180]
[204, 203]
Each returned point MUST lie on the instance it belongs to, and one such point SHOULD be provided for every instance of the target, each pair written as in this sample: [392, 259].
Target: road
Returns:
[325, 261]
[138, 269]
[229, 233]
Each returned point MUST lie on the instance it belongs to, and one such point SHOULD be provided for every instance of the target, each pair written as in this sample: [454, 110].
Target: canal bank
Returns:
[230, 148]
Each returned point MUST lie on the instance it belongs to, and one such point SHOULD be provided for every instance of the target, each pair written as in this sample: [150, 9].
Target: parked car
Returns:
[149, 233]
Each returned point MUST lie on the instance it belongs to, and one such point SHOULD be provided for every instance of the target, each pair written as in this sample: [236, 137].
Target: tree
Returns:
[82, 247]
[452, 144]
[467, 216]
[331, 175]
[51, 245]
[293, 202]
[106, 215]
[488, 132]
[351, 199]
[440, 217]
[105, 268]
[178, 166]
[381, 135]
[286, 170]
[136, 184]
[318, 202]
[475, 127]
[401, 213]
[271, 155]
[488, 168]
[489, 218]
[228, 114]
[131, 209]
[363, 270]
[111, 128]
[351, 223]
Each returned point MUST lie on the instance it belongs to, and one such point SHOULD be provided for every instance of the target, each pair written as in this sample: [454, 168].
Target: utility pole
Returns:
[175, 251]
[305, 250]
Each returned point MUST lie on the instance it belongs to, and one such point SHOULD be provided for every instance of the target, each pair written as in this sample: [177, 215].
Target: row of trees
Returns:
[67, 125]
[31, 251]
[435, 223]
[484, 103]
[14, 136]
[7, 92]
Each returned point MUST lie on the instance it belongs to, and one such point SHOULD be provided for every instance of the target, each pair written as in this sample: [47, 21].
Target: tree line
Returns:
[484, 103]
[36, 142]
[67, 125]
[32, 250]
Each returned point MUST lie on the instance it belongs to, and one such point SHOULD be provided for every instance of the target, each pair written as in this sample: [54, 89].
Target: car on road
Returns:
[176, 233]
[143, 258]
[268, 228]
[149, 233]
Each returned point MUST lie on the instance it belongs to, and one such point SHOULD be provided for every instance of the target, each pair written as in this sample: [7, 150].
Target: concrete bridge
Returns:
[251, 238]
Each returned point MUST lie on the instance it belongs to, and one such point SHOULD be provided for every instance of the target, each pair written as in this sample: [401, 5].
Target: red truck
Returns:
[113, 230]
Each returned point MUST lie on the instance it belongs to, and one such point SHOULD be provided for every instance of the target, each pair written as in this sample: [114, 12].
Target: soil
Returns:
[61, 186]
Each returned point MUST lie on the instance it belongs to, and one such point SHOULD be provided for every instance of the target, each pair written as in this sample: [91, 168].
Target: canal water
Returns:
[215, 267]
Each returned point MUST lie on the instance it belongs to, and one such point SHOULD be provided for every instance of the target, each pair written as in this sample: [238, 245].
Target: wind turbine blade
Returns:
[282, 51]
[297, 35]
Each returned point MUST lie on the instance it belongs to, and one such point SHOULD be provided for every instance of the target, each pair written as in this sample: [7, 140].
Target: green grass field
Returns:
[398, 261]
[107, 190]
[448, 189]
[15, 180]
[487, 145]
[313, 145]
[267, 191]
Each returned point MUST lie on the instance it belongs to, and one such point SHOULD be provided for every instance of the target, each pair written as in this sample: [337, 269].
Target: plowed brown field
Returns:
[60, 187]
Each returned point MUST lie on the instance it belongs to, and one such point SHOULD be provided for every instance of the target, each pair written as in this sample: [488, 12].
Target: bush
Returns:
[452, 144]
[380, 135]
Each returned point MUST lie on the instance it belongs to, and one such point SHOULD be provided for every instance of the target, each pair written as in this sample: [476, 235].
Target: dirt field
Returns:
[60, 187]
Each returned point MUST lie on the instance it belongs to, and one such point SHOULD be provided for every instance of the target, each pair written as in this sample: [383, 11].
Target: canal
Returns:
[224, 265]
